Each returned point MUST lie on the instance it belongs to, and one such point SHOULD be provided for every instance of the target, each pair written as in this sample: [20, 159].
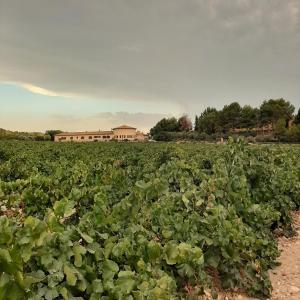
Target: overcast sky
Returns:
[80, 65]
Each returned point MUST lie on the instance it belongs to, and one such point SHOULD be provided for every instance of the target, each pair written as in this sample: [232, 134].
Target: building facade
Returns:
[120, 133]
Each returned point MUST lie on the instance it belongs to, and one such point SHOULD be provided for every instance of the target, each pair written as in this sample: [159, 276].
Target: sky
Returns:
[87, 65]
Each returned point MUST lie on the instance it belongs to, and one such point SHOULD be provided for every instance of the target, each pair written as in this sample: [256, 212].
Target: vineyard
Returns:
[142, 220]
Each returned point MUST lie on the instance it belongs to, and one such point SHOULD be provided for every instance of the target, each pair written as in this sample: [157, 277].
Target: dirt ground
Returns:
[286, 277]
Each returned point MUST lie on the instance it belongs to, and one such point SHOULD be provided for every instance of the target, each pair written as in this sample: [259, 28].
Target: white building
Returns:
[120, 133]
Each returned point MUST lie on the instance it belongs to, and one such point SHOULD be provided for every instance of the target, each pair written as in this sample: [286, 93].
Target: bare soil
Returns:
[286, 277]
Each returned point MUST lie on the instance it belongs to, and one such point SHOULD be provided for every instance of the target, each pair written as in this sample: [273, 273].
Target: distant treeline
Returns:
[273, 121]
[27, 136]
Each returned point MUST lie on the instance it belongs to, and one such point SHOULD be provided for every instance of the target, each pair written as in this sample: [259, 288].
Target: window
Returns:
[71, 138]
[82, 137]
[90, 137]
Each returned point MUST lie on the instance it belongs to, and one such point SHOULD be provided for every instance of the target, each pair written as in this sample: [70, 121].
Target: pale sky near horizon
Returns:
[86, 65]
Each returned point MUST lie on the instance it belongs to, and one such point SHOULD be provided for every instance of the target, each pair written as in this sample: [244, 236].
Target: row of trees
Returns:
[234, 116]
[276, 114]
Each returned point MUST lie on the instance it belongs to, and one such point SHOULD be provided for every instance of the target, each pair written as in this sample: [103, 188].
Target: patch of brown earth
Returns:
[286, 277]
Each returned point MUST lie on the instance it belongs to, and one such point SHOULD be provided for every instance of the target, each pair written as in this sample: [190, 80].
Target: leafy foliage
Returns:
[235, 120]
[141, 221]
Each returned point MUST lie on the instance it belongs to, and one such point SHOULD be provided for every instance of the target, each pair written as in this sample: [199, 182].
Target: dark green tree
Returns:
[208, 121]
[271, 111]
[165, 125]
[249, 117]
[280, 129]
[52, 133]
[196, 123]
[230, 116]
[297, 117]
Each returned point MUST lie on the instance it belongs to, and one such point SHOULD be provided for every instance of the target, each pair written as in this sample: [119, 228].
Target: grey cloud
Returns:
[193, 53]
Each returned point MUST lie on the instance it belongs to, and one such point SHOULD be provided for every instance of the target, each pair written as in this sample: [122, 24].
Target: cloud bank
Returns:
[190, 53]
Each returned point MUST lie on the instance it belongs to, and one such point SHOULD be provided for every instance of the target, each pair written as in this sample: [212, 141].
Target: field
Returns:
[142, 220]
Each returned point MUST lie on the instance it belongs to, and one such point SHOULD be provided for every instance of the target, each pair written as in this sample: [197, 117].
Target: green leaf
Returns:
[167, 233]
[212, 259]
[166, 283]
[6, 235]
[171, 253]
[86, 237]
[97, 286]
[51, 294]
[64, 292]
[125, 285]
[70, 274]
[142, 184]
[184, 251]
[26, 253]
[154, 250]
[185, 200]
[4, 280]
[185, 270]
[109, 269]
[12, 291]
[64, 208]
[104, 236]
[33, 277]
[24, 240]
[5, 256]
[126, 274]
[55, 278]
[199, 202]
[78, 251]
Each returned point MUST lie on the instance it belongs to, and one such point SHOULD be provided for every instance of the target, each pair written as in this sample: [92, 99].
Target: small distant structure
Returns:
[120, 133]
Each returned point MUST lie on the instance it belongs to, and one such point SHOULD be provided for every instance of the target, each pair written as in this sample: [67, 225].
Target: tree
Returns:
[208, 121]
[184, 123]
[52, 133]
[297, 117]
[230, 116]
[294, 133]
[249, 117]
[196, 123]
[280, 129]
[165, 125]
[272, 111]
